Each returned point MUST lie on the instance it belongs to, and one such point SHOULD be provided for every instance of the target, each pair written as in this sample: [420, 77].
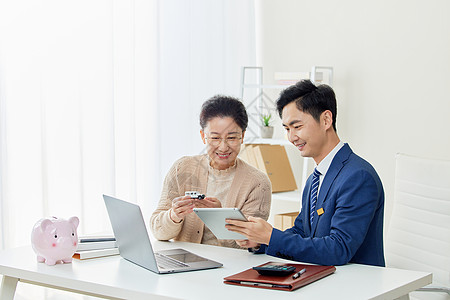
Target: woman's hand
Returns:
[181, 207]
[208, 202]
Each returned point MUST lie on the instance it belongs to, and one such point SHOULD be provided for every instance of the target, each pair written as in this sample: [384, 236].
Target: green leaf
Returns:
[266, 119]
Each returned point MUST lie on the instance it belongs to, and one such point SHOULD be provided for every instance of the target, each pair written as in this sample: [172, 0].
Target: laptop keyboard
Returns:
[166, 262]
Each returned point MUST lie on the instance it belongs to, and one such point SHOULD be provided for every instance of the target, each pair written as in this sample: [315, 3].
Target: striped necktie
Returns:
[313, 198]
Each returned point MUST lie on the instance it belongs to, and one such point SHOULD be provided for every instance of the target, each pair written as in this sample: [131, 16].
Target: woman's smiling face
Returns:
[223, 138]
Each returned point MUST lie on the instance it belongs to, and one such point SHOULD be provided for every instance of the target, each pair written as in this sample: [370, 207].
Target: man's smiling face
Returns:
[305, 132]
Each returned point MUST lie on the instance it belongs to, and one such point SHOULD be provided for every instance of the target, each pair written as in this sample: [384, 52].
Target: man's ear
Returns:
[327, 119]
[242, 139]
[202, 134]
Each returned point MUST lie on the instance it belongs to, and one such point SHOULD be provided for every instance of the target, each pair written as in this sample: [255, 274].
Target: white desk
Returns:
[113, 277]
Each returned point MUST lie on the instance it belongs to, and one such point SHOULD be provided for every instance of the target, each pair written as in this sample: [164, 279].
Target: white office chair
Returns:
[418, 237]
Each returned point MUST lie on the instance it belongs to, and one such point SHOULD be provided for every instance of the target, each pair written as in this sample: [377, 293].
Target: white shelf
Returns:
[257, 140]
[284, 202]
[294, 196]
[266, 86]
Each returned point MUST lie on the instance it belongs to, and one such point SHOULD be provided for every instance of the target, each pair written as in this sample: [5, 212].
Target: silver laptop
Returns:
[135, 246]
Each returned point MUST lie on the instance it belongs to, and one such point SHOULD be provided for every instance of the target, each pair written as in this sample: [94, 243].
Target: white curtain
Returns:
[78, 87]
[101, 97]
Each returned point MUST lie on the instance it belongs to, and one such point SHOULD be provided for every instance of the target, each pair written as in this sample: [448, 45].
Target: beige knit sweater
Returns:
[250, 191]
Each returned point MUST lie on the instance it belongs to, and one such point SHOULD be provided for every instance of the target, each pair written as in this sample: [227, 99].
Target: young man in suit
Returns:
[341, 219]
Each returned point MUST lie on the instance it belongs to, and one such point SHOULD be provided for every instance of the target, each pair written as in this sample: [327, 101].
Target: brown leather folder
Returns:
[252, 278]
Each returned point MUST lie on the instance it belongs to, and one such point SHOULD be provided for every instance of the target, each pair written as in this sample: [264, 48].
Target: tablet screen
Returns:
[214, 219]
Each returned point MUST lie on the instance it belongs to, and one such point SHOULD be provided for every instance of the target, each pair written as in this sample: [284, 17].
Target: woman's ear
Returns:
[202, 134]
[242, 139]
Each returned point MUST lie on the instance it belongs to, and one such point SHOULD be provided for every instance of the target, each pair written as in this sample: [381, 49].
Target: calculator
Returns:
[274, 270]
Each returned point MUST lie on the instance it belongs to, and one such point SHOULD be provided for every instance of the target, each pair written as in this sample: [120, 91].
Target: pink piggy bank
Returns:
[55, 239]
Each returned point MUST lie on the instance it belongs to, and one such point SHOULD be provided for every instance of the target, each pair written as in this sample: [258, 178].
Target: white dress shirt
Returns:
[324, 165]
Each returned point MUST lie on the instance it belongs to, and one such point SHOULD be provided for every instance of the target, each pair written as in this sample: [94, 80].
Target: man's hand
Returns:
[247, 243]
[208, 202]
[181, 206]
[256, 229]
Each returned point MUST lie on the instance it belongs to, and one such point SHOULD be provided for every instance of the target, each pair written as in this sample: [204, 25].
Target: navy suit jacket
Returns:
[350, 229]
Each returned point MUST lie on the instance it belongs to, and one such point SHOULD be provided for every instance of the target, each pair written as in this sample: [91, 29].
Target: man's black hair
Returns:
[310, 99]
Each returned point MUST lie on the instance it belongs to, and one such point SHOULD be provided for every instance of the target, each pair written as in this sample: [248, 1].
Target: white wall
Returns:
[392, 70]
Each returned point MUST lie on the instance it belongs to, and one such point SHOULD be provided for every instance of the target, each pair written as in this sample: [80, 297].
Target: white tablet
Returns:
[214, 219]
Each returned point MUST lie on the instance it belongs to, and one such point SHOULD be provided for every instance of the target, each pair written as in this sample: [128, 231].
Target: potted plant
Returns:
[266, 130]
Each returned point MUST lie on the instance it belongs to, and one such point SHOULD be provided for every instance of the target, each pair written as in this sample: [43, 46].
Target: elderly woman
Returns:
[226, 180]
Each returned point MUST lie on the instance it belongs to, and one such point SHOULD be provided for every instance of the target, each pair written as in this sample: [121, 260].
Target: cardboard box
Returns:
[273, 160]
[247, 154]
[285, 221]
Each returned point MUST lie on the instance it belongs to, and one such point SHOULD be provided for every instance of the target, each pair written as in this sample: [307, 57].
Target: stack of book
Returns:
[98, 246]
